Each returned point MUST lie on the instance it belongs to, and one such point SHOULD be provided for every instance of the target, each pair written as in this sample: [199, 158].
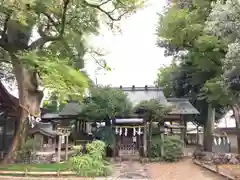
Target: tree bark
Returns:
[208, 129]
[236, 112]
[29, 103]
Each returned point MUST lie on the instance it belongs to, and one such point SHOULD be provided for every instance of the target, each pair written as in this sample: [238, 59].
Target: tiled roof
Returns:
[71, 109]
[44, 129]
[138, 94]
[181, 106]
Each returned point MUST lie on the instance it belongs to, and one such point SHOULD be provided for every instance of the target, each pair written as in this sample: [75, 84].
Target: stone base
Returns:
[45, 158]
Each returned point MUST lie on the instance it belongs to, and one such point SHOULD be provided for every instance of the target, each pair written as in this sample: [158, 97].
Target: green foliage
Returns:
[53, 103]
[173, 148]
[152, 109]
[156, 147]
[78, 150]
[223, 22]
[53, 167]
[164, 76]
[91, 164]
[51, 37]
[55, 73]
[105, 103]
[106, 134]
[197, 56]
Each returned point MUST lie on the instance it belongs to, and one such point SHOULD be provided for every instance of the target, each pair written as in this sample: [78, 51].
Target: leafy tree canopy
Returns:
[165, 75]
[49, 37]
[181, 31]
[105, 103]
[152, 110]
[223, 23]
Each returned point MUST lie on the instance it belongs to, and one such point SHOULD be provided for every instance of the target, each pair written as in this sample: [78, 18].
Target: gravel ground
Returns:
[184, 170]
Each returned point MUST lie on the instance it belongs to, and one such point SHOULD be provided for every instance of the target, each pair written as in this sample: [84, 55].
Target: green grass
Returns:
[37, 167]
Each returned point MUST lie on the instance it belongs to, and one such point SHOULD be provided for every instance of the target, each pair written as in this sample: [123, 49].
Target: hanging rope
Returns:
[32, 114]
[33, 119]
[128, 126]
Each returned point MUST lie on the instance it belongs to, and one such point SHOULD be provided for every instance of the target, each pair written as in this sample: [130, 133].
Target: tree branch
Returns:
[107, 13]
[65, 6]
[54, 23]
[5, 24]
[45, 38]
[3, 39]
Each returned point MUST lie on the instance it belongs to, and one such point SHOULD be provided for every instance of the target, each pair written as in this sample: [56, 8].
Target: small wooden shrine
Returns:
[48, 139]
[130, 135]
[63, 124]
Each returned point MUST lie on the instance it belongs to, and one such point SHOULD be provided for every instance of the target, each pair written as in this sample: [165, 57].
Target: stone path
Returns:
[130, 170]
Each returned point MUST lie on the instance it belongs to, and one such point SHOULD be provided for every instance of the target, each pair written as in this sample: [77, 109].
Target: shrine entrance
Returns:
[129, 137]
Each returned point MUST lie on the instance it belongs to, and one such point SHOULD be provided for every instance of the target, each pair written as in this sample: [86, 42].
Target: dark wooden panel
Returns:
[1, 137]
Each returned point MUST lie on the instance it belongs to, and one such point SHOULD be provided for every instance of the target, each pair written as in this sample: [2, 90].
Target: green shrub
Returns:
[91, 164]
[156, 147]
[77, 150]
[173, 148]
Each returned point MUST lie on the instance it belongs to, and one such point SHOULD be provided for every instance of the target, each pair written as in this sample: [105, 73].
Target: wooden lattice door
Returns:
[128, 147]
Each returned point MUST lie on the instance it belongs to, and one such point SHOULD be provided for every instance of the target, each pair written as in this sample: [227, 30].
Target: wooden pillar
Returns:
[183, 130]
[197, 138]
[54, 143]
[145, 140]
[66, 147]
[59, 148]
[162, 148]
[34, 145]
[41, 142]
[76, 132]
[50, 144]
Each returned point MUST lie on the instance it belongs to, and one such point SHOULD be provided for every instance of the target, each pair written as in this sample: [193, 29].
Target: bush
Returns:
[91, 164]
[78, 150]
[156, 147]
[173, 148]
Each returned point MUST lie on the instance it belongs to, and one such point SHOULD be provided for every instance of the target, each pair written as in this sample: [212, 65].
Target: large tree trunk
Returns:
[208, 129]
[29, 103]
[236, 112]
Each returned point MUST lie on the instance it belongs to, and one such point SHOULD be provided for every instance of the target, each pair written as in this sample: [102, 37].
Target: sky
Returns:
[132, 55]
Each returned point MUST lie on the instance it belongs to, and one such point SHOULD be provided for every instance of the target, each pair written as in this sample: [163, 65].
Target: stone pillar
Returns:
[66, 147]
[59, 149]
[50, 144]
[145, 140]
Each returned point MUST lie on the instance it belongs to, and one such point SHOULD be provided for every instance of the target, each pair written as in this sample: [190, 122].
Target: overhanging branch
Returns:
[45, 38]
[107, 13]
[5, 24]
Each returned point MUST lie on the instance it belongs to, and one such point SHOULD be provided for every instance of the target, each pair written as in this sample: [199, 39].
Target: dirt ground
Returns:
[178, 171]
